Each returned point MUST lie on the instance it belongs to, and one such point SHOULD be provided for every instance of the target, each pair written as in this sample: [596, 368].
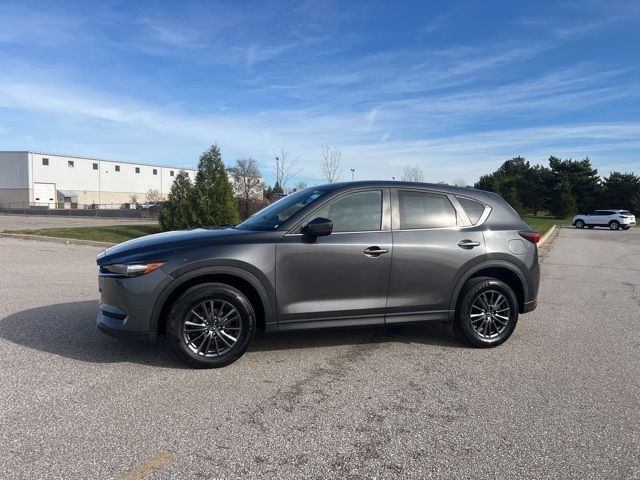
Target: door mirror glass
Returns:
[318, 227]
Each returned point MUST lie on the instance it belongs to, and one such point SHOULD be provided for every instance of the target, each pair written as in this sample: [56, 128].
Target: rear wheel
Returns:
[211, 325]
[614, 225]
[487, 312]
[579, 223]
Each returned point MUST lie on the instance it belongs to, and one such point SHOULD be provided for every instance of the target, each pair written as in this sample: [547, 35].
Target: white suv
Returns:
[614, 219]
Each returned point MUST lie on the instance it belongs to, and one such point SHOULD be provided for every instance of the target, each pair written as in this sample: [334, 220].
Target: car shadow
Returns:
[431, 333]
[69, 330]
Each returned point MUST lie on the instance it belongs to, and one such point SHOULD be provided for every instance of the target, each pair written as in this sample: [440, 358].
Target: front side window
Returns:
[354, 212]
[271, 217]
[425, 210]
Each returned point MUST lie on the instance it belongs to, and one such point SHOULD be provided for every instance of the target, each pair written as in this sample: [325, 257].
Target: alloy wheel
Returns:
[212, 328]
[490, 314]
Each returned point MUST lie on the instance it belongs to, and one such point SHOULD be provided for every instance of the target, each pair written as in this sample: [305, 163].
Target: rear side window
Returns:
[355, 212]
[474, 209]
[425, 210]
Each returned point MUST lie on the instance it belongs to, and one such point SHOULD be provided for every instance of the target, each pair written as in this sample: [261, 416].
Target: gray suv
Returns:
[347, 254]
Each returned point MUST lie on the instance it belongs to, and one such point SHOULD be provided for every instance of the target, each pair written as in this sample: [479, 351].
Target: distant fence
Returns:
[80, 210]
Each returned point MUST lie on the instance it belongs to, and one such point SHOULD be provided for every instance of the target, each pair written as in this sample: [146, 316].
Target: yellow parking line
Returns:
[150, 466]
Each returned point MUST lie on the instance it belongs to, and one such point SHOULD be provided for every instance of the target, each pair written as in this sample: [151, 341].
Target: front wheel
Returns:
[579, 224]
[211, 325]
[614, 225]
[487, 312]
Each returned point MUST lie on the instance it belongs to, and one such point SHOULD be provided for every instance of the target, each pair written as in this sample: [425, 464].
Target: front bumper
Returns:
[126, 304]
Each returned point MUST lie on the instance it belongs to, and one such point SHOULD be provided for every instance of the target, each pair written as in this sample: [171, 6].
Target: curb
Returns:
[66, 241]
[547, 235]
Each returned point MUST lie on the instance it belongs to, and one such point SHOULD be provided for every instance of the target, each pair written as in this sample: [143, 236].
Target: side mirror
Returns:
[318, 227]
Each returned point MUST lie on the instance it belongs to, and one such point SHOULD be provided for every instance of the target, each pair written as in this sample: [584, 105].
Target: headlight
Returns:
[133, 269]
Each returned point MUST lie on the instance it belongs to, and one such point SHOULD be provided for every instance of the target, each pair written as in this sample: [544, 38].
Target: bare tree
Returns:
[247, 182]
[331, 166]
[300, 186]
[284, 168]
[412, 173]
[459, 182]
[153, 196]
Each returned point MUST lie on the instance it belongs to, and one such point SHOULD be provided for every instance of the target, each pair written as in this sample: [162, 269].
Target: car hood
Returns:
[154, 247]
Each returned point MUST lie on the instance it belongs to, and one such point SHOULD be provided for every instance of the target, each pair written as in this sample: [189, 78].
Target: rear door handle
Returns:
[468, 244]
[375, 251]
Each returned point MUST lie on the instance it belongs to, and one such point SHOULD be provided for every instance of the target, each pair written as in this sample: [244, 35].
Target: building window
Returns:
[137, 169]
[117, 168]
[95, 166]
[71, 164]
[45, 161]
[171, 173]
[155, 171]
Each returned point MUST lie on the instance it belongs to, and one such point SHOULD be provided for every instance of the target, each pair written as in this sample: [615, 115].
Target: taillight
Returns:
[533, 237]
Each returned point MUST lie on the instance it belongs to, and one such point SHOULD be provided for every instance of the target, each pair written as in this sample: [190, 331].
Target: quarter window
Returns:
[425, 210]
[474, 209]
[355, 212]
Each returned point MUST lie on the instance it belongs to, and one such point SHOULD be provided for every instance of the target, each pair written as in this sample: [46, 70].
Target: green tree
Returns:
[634, 204]
[212, 202]
[618, 189]
[564, 201]
[176, 211]
[583, 180]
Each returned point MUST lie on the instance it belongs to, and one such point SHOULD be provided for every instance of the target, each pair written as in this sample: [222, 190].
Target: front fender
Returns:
[203, 269]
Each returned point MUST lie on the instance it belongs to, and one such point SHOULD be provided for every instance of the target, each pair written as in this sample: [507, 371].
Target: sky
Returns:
[455, 88]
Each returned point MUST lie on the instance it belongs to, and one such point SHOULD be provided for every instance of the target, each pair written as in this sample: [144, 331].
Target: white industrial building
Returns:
[63, 181]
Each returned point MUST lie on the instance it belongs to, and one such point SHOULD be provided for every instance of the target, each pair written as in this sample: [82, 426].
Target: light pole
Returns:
[353, 172]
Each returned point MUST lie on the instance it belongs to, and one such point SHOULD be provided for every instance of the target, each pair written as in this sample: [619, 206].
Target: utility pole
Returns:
[353, 172]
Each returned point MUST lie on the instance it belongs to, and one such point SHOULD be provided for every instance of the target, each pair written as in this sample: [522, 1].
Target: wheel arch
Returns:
[244, 281]
[500, 270]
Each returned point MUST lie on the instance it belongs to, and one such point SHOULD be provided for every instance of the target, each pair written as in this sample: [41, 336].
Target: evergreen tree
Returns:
[212, 202]
[176, 211]
[564, 201]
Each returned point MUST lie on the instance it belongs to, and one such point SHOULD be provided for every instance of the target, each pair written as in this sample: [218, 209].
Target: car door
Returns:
[596, 218]
[433, 239]
[341, 278]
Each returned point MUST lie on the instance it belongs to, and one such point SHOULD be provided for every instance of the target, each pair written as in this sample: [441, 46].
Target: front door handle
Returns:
[468, 244]
[375, 251]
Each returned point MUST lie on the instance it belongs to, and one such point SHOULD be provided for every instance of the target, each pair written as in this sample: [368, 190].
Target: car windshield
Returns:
[271, 217]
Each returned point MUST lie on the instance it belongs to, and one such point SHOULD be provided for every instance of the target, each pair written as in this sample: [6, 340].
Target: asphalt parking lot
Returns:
[31, 222]
[561, 399]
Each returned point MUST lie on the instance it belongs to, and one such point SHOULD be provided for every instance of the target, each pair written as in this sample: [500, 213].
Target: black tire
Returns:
[579, 223]
[614, 225]
[471, 292]
[192, 302]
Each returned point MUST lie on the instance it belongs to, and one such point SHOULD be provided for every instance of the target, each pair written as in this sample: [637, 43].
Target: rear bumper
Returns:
[530, 306]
